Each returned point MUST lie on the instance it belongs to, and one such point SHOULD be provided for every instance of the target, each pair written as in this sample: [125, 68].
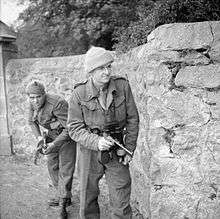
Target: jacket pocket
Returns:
[91, 112]
[91, 105]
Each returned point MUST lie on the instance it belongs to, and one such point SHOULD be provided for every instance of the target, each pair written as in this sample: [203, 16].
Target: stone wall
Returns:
[57, 74]
[175, 79]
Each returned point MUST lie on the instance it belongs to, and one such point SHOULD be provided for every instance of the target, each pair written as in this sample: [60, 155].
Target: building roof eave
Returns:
[6, 34]
[7, 39]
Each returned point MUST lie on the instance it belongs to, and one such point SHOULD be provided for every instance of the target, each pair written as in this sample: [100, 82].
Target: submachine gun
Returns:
[114, 133]
[40, 146]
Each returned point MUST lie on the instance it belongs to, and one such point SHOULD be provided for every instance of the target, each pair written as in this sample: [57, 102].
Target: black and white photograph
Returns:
[109, 109]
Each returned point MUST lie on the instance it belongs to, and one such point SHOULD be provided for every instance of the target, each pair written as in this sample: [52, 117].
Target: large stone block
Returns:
[153, 57]
[199, 76]
[182, 36]
[177, 108]
[215, 47]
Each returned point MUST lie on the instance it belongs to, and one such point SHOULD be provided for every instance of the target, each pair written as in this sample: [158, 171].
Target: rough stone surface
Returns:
[57, 74]
[199, 76]
[175, 79]
[215, 47]
[179, 36]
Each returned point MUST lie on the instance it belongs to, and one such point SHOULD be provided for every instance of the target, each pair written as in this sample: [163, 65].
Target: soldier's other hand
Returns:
[49, 149]
[127, 159]
[104, 144]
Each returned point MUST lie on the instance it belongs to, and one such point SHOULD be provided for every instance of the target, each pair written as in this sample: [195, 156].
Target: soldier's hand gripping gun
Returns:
[41, 145]
[105, 156]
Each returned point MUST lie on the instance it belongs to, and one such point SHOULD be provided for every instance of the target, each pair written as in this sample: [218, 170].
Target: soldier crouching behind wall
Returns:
[100, 107]
[50, 112]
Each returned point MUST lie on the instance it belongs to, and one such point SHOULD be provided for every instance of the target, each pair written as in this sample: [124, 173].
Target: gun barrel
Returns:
[120, 145]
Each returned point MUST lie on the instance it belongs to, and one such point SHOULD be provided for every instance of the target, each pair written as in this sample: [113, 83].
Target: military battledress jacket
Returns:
[85, 112]
[53, 117]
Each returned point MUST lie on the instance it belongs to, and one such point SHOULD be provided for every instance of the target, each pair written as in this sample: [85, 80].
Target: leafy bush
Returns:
[155, 13]
[69, 27]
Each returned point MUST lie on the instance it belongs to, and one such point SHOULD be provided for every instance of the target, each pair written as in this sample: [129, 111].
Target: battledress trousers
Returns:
[85, 111]
[61, 162]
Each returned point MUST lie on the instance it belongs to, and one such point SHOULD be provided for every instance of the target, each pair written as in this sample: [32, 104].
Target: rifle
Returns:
[41, 145]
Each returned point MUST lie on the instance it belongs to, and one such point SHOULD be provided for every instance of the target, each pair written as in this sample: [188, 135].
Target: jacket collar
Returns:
[93, 92]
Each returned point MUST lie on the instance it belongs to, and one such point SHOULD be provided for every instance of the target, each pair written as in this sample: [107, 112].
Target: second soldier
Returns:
[50, 112]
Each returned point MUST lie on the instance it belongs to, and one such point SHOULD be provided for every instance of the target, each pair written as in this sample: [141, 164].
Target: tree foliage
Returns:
[155, 13]
[69, 27]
